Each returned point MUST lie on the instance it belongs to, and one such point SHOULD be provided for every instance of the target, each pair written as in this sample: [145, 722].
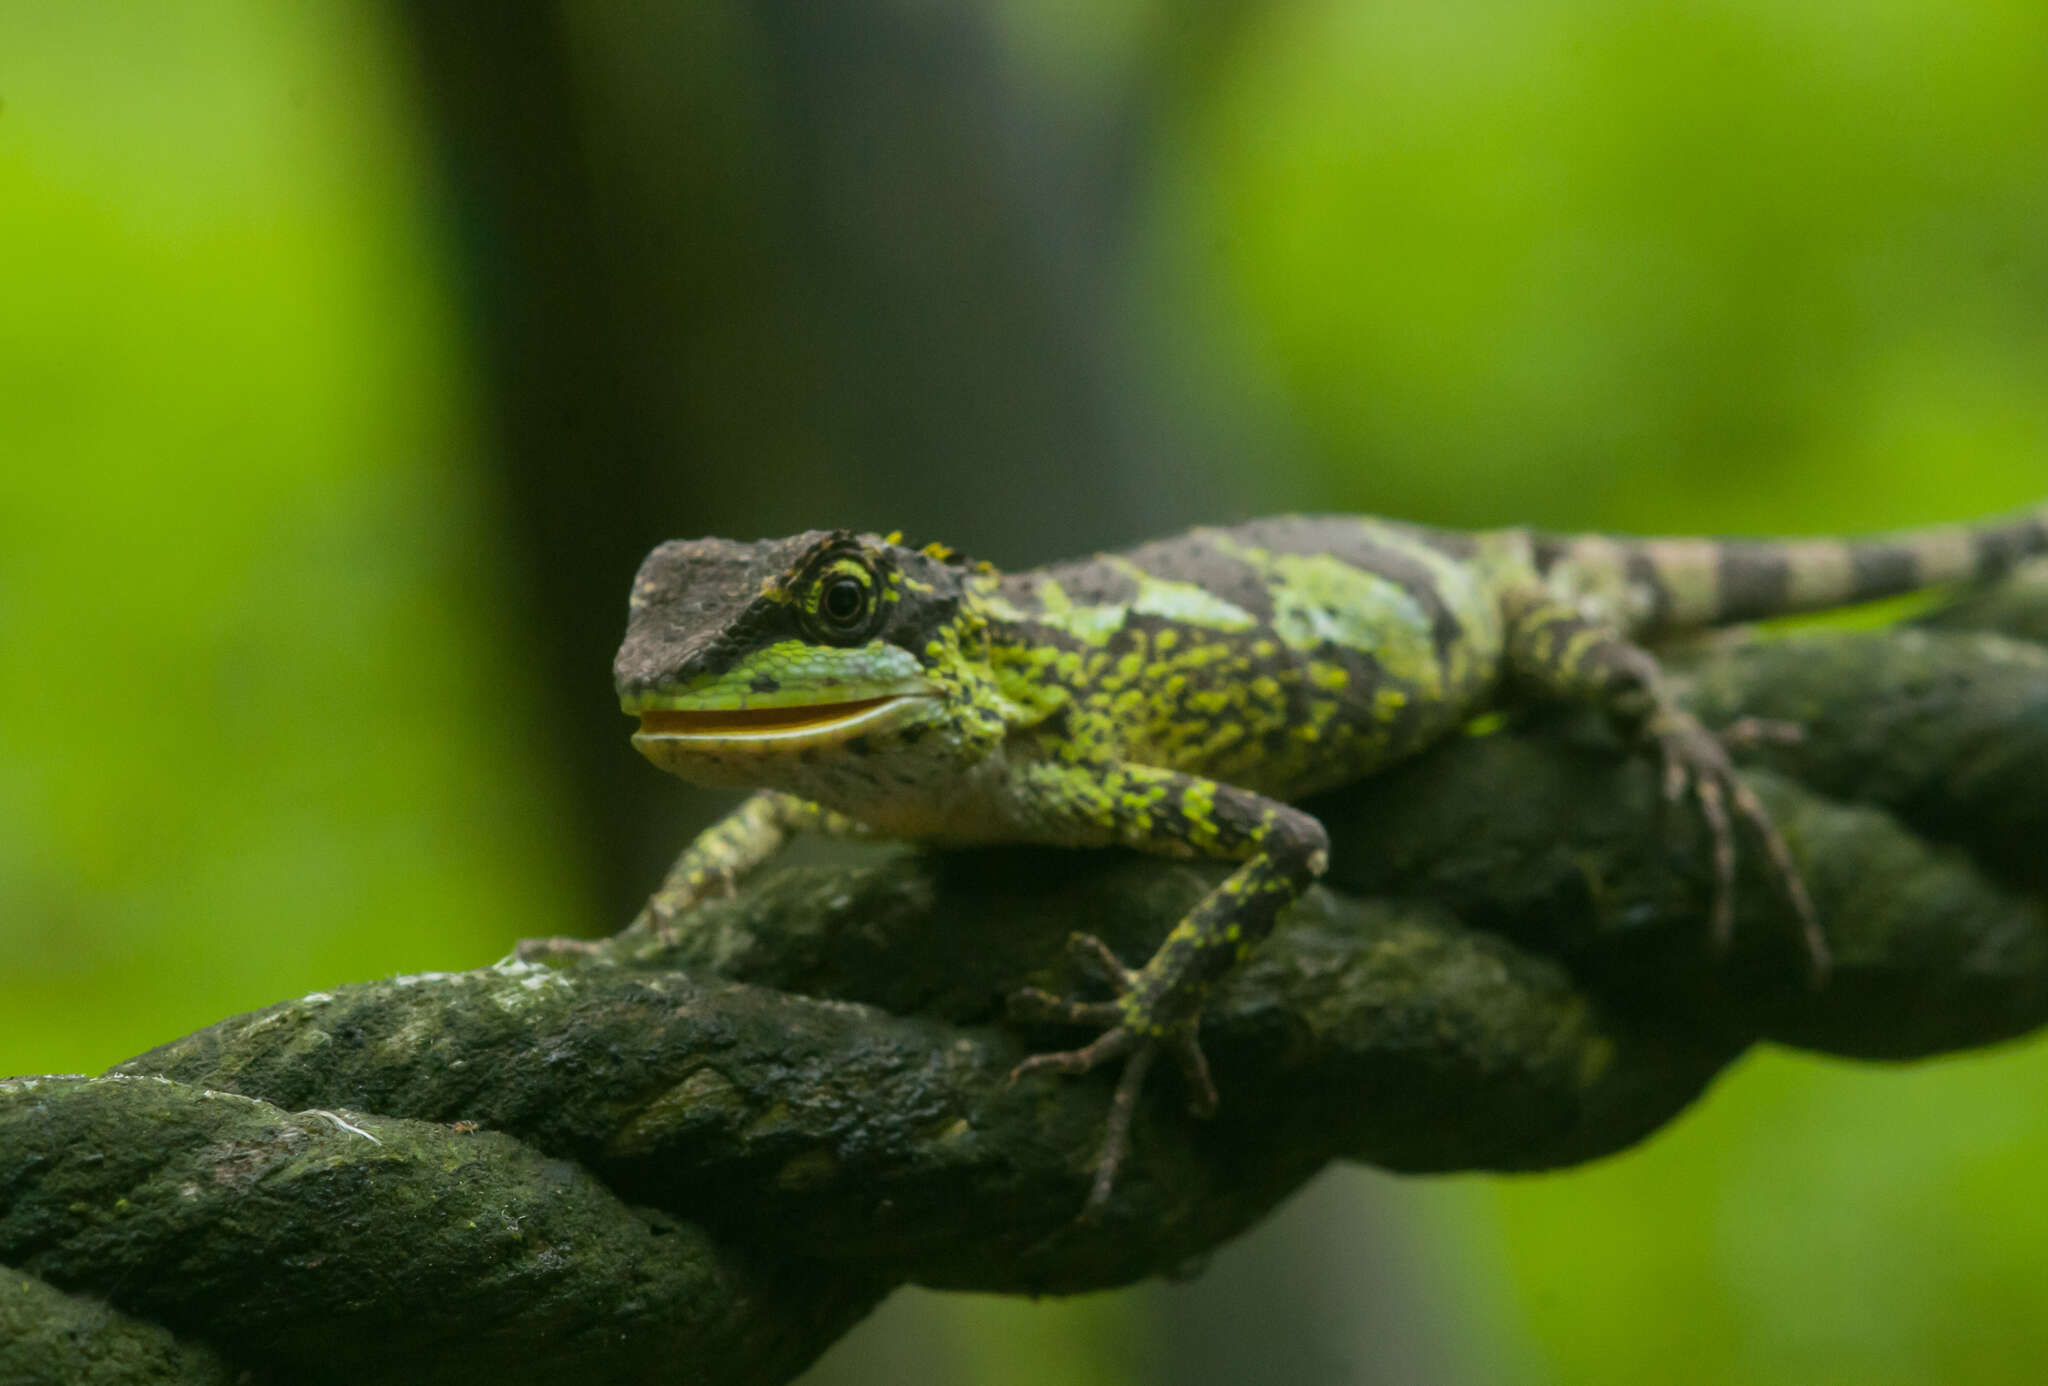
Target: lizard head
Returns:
[816, 664]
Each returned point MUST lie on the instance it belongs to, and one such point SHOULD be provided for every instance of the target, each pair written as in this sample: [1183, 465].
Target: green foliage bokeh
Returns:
[258, 730]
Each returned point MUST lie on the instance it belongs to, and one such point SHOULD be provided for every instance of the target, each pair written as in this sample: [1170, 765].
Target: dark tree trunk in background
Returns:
[572, 443]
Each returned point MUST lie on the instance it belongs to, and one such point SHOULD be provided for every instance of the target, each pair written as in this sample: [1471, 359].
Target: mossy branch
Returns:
[706, 1163]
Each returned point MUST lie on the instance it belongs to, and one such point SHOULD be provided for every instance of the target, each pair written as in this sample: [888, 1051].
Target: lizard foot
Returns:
[1126, 1035]
[1695, 759]
[656, 921]
[555, 950]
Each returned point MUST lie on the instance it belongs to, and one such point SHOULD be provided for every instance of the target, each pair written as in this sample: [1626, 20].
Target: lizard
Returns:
[1178, 698]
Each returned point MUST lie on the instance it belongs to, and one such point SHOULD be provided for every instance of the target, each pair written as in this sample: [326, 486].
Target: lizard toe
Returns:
[1116, 1135]
[1035, 1006]
[1194, 1072]
[1111, 1043]
[1096, 958]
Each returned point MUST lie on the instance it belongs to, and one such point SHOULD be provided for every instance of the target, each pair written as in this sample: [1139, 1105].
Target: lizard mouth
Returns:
[814, 722]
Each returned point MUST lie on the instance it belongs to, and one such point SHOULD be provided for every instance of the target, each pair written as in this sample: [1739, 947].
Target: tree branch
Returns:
[723, 1153]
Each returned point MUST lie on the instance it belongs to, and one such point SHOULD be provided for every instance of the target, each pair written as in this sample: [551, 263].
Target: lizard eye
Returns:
[844, 602]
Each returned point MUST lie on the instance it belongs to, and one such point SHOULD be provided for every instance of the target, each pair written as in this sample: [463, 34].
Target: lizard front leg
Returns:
[1158, 1007]
[1558, 652]
[729, 849]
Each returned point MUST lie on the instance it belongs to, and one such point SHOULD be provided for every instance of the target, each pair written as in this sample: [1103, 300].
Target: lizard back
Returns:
[1284, 655]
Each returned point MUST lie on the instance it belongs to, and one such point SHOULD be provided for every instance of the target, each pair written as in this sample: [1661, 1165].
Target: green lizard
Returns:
[1175, 698]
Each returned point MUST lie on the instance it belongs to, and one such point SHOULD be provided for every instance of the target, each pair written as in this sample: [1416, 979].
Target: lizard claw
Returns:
[1696, 759]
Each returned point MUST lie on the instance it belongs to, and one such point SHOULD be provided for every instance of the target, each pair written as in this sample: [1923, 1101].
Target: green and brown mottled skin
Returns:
[1177, 697]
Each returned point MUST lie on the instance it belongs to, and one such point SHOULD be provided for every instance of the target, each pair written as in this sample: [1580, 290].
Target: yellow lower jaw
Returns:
[752, 721]
[772, 730]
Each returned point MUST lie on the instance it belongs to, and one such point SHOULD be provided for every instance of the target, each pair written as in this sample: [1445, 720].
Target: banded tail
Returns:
[1680, 584]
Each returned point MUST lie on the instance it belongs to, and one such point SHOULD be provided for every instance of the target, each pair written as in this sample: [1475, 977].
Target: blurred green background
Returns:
[350, 357]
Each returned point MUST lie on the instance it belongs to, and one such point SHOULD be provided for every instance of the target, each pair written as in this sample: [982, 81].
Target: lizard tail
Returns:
[1682, 584]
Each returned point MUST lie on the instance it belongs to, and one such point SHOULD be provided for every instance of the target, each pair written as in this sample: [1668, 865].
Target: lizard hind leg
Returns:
[1558, 652]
